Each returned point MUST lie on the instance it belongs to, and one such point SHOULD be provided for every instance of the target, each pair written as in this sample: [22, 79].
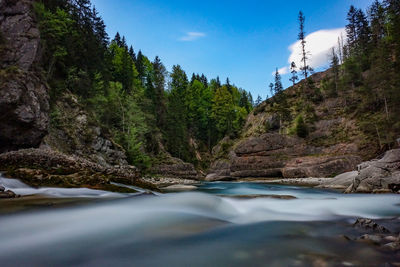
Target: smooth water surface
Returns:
[207, 227]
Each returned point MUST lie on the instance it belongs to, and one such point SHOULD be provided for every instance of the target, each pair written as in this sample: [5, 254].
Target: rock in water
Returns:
[380, 175]
[24, 99]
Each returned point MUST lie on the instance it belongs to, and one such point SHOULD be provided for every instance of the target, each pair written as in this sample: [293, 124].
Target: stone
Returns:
[39, 167]
[341, 181]
[392, 246]
[7, 194]
[179, 187]
[273, 155]
[2, 188]
[175, 168]
[371, 225]
[372, 238]
[24, 99]
[379, 175]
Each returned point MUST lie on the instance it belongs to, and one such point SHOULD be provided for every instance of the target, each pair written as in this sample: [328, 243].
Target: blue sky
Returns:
[242, 40]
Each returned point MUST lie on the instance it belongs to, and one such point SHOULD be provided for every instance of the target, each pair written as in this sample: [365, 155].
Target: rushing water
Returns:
[207, 227]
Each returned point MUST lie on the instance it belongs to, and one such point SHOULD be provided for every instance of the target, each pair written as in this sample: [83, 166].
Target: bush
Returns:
[301, 127]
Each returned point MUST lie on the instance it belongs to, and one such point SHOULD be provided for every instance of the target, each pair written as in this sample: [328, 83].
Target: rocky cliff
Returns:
[24, 101]
[268, 147]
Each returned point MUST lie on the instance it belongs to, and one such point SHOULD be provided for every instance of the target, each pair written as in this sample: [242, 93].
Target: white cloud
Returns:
[192, 36]
[282, 71]
[318, 44]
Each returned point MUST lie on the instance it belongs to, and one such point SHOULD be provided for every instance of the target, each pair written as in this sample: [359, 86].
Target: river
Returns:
[219, 224]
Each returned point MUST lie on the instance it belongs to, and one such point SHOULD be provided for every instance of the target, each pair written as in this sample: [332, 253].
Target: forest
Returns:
[364, 73]
[145, 108]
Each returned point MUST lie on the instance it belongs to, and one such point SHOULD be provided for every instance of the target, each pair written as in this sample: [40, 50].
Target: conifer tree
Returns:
[293, 71]
[305, 68]
[278, 88]
[258, 101]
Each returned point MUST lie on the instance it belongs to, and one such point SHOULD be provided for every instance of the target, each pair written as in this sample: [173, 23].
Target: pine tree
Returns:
[218, 82]
[304, 54]
[258, 101]
[140, 67]
[117, 39]
[335, 68]
[176, 131]
[293, 71]
[132, 54]
[159, 102]
[351, 28]
[271, 88]
[278, 88]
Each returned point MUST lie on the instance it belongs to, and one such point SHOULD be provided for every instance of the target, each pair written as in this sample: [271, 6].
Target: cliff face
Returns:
[269, 147]
[24, 100]
[24, 97]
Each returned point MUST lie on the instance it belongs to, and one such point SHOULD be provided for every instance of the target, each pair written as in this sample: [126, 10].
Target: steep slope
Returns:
[269, 147]
[24, 100]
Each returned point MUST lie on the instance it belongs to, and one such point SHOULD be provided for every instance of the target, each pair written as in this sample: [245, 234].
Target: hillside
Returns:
[339, 132]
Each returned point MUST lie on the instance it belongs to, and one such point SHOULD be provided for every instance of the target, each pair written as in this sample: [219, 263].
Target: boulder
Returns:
[341, 181]
[379, 175]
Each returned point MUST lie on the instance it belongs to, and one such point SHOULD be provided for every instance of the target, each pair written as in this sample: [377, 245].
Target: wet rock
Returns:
[341, 181]
[2, 188]
[380, 175]
[7, 194]
[372, 238]
[179, 187]
[371, 225]
[392, 246]
[43, 167]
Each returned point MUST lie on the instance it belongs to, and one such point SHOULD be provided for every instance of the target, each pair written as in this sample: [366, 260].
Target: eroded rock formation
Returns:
[24, 101]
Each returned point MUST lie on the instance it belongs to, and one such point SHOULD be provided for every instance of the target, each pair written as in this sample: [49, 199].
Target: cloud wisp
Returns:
[192, 36]
[282, 71]
[319, 45]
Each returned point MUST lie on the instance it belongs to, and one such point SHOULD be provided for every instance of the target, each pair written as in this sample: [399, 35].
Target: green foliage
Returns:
[301, 127]
[126, 92]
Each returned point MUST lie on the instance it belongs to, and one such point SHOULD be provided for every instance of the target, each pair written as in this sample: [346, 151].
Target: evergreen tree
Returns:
[278, 87]
[117, 39]
[176, 132]
[304, 54]
[258, 101]
[271, 88]
[132, 54]
[351, 27]
[293, 71]
[159, 97]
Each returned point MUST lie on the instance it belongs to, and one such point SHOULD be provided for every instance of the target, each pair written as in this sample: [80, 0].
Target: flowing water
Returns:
[206, 227]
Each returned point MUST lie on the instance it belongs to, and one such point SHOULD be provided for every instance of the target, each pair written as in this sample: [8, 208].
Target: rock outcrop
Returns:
[278, 155]
[24, 101]
[379, 175]
[41, 167]
[74, 132]
[175, 168]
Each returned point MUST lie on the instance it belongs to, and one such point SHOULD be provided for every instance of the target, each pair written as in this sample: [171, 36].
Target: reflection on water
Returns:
[198, 229]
